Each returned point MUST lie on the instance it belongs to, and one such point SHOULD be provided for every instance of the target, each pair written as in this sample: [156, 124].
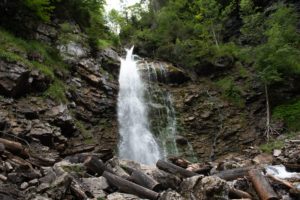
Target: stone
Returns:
[43, 187]
[33, 182]
[96, 186]
[263, 158]
[13, 79]
[204, 188]
[181, 140]
[276, 152]
[38, 197]
[72, 51]
[187, 186]
[24, 186]
[170, 195]
[122, 196]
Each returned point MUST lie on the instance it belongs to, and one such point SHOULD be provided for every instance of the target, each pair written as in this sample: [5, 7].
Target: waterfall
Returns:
[137, 142]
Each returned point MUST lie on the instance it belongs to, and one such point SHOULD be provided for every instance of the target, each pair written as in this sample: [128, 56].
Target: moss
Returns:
[56, 91]
[231, 91]
[271, 145]
[289, 113]
[278, 143]
[78, 169]
[86, 134]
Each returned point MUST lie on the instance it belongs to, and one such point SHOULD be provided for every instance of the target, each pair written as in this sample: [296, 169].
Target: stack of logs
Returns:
[142, 185]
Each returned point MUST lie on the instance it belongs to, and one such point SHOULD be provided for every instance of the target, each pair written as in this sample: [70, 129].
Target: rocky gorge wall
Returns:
[83, 119]
[214, 124]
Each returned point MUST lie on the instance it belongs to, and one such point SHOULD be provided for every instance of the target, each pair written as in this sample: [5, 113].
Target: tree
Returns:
[278, 57]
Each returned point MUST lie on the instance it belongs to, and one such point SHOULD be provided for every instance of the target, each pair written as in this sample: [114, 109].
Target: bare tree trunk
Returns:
[269, 129]
[215, 37]
[267, 133]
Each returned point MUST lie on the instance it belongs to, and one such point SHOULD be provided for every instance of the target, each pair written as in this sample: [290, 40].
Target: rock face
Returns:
[212, 124]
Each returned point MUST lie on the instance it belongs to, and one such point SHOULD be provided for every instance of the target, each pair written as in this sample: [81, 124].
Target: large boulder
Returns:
[210, 187]
[162, 72]
[13, 79]
[122, 196]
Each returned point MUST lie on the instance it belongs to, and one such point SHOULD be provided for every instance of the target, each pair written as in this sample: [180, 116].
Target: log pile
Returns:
[91, 176]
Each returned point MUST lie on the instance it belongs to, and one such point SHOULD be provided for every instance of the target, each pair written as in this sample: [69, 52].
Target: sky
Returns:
[115, 4]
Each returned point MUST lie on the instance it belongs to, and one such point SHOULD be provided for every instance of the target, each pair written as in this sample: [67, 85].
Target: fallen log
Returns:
[200, 168]
[232, 174]
[262, 186]
[281, 181]
[14, 147]
[129, 187]
[174, 169]
[78, 191]
[144, 180]
[239, 194]
[94, 165]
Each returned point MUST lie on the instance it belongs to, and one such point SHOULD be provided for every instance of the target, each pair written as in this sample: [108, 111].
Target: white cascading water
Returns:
[137, 142]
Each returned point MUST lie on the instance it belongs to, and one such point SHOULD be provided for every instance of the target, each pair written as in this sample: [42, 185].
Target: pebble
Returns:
[33, 182]
[24, 186]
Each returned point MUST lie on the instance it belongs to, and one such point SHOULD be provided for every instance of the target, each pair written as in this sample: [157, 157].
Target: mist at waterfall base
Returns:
[137, 142]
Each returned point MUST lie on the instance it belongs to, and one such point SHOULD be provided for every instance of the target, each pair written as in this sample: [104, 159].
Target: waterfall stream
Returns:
[137, 142]
[147, 121]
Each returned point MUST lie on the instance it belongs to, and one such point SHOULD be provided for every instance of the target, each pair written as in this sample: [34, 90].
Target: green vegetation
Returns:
[78, 169]
[86, 134]
[231, 91]
[277, 143]
[46, 60]
[290, 113]
[41, 8]
[271, 145]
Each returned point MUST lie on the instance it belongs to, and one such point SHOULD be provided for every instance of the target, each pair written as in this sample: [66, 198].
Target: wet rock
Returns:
[110, 61]
[263, 159]
[96, 186]
[73, 51]
[33, 182]
[122, 196]
[38, 82]
[181, 140]
[46, 33]
[47, 134]
[170, 195]
[187, 186]
[163, 72]
[13, 79]
[60, 116]
[202, 188]
[167, 180]
[24, 186]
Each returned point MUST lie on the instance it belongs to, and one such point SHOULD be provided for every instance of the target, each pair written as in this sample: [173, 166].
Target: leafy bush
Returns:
[231, 91]
[290, 113]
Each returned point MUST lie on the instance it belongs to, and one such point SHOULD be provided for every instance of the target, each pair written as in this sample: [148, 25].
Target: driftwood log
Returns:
[262, 186]
[15, 147]
[232, 174]
[94, 165]
[281, 181]
[174, 169]
[130, 187]
[239, 194]
[144, 180]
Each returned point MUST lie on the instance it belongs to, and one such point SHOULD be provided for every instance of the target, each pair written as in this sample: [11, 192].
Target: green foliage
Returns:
[279, 56]
[231, 91]
[271, 145]
[15, 49]
[57, 91]
[86, 134]
[290, 113]
[41, 8]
